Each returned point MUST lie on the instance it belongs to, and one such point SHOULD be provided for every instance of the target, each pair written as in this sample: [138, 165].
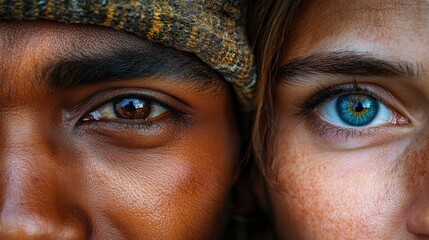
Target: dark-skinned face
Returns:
[106, 136]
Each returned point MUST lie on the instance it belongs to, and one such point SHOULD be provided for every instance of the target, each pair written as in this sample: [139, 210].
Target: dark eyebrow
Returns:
[345, 63]
[116, 65]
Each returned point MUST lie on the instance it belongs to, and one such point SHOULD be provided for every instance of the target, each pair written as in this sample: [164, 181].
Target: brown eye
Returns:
[132, 108]
[127, 109]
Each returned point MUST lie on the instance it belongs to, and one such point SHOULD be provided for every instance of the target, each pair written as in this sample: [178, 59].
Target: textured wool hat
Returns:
[211, 29]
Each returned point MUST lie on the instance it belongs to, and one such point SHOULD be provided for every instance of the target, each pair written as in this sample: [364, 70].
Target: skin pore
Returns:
[338, 181]
[107, 136]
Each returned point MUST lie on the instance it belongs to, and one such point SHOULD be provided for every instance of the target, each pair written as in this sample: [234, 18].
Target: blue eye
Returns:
[356, 110]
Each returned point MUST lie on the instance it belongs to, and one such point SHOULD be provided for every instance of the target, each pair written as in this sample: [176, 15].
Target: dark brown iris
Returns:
[132, 108]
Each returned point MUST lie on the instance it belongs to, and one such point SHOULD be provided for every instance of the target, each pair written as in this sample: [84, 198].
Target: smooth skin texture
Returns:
[65, 175]
[335, 182]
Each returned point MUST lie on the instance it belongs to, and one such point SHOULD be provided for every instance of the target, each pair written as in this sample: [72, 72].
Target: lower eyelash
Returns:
[325, 129]
[124, 126]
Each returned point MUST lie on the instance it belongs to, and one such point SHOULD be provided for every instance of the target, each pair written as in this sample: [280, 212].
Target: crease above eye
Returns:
[357, 110]
[127, 109]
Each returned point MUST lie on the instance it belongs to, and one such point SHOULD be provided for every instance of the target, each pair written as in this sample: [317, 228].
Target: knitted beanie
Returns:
[211, 29]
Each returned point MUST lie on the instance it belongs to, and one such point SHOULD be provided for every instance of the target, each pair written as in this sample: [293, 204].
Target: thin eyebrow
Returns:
[118, 65]
[345, 63]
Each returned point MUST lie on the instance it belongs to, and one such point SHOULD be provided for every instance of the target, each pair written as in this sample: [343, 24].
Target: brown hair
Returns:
[269, 22]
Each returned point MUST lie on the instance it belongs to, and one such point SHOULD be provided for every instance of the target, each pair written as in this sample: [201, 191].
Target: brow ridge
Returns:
[117, 65]
[345, 63]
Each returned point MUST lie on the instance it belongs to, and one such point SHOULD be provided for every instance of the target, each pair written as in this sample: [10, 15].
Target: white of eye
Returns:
[329, 113]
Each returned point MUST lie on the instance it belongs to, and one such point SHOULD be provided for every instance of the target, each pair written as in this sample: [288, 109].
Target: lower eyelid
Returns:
[327, 130]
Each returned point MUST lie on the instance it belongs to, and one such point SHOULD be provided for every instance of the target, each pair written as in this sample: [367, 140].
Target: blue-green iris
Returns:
[357, 109]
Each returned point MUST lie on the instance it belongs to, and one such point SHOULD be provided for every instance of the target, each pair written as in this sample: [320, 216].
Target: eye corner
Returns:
[322, 110]
[100, 108]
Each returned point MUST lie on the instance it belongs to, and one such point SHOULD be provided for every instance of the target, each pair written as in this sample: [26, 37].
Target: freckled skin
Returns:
[59, 180]
[378, 188]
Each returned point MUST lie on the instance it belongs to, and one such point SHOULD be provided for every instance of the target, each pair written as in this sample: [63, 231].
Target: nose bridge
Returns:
[26, 177]
[24, 159]
[33, 200]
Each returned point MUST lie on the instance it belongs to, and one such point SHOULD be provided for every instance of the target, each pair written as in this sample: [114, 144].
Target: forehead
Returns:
[377, 26]
[38, 55]
[50, 38]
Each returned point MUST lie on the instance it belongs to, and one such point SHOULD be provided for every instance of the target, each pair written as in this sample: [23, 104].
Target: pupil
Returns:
[132, 108]
[358, 107]
[129, 107]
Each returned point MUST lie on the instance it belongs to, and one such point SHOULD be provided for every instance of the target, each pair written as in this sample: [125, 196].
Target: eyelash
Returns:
[327, 129]
[324, 95]
[177, 115]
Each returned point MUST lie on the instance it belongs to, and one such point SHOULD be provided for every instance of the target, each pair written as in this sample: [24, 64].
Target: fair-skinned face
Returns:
[351, 152]
[95, 147]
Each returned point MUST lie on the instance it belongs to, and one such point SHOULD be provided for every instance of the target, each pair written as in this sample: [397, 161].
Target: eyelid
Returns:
[101, 113]
[333, 118]
[105, 96]
[327, 93]
[338, 136]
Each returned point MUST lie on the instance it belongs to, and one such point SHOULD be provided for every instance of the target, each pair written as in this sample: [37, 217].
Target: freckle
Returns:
[293, 159]
[413, 164]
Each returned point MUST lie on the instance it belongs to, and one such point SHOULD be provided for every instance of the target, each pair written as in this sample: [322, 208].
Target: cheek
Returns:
[362, 193]
[163, 193]
[415, 175]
